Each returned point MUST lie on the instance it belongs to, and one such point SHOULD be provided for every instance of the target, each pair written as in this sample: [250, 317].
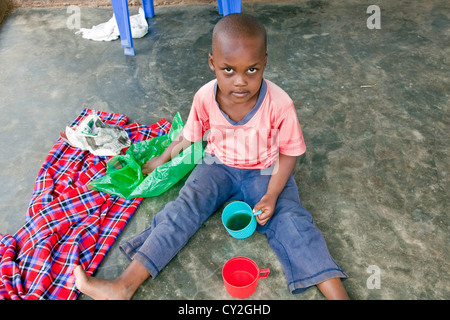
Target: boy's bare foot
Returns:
[100, 289]
[333, 289]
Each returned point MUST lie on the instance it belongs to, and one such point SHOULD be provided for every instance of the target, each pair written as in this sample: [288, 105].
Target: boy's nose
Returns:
[240, 81]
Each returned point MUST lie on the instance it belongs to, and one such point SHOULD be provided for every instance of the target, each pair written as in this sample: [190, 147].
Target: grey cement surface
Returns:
[373, 105]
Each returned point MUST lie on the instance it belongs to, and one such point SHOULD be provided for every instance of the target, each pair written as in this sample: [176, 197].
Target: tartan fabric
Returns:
[66, 223]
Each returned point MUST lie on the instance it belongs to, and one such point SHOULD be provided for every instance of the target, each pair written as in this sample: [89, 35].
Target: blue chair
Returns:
[227, 7]
[120, 9]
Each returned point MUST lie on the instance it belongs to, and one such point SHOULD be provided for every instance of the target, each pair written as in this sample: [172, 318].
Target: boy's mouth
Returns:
[240, 94]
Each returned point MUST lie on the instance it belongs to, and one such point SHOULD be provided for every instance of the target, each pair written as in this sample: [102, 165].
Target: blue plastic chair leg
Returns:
[230, 6]
[120, 8]
[149, 9]
[219, 4]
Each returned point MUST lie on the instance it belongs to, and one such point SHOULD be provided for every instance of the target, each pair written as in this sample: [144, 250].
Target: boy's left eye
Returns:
[252, 70]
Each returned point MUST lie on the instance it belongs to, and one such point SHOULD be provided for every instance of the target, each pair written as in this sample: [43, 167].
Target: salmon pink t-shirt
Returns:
[270, 128]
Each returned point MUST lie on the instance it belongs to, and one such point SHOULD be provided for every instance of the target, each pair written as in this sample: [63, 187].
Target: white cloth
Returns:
[109, 31]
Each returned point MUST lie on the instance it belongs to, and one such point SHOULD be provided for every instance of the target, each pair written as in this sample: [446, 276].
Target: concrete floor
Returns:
[373, 105]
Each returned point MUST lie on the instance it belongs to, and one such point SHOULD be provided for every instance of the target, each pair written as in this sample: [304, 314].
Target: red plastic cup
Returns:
[241, 275]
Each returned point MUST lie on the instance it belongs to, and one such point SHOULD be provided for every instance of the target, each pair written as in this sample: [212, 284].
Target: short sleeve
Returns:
[197, 123]
[291, 142]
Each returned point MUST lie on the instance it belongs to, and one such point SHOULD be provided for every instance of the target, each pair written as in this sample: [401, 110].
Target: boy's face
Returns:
[239, 66]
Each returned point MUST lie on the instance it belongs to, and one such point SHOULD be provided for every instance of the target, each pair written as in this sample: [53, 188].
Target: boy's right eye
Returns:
[228, 70]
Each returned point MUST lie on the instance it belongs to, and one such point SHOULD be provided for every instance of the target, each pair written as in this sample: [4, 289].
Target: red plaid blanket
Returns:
[67, 224]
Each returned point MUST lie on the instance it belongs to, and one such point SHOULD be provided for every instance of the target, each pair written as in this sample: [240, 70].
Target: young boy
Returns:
[254, 138]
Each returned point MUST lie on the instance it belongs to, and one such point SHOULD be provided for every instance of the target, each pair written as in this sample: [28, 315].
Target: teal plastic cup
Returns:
[239, 220]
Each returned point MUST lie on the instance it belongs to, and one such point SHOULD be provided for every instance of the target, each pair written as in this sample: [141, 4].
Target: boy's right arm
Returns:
[178, 144]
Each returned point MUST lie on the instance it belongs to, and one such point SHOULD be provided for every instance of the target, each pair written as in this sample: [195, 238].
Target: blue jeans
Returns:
[297, 242]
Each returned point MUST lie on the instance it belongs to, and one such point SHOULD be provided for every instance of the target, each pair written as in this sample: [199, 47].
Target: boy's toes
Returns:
[80, 277]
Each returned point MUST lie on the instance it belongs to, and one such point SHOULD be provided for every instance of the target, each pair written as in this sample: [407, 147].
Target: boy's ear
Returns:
[211, 62]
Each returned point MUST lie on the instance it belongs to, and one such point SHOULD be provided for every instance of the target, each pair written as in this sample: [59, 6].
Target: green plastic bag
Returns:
[124, 176]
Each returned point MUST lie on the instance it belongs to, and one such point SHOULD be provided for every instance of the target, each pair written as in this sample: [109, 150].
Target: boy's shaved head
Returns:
[238, 58]
[239, 25]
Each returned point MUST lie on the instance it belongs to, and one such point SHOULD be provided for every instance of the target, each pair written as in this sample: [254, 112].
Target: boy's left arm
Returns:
[282, 171]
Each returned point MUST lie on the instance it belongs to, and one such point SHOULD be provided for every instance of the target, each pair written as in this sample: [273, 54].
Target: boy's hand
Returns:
[151, 165]
[175, 147]
[267, 205]
[281, 173]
